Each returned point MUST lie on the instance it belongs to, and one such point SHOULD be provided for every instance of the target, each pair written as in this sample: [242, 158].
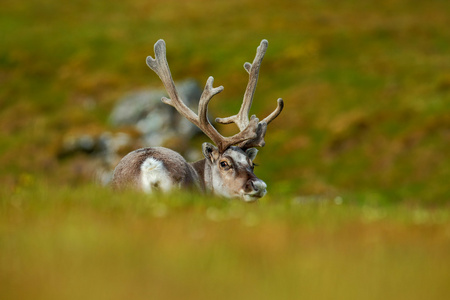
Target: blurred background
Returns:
[357, 164]
[366, 86]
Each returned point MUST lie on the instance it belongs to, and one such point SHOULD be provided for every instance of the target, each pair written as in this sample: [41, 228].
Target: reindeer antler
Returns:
[160, 66]
[241, 119]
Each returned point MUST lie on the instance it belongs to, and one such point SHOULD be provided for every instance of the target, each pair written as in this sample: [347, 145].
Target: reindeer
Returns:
[227, 169]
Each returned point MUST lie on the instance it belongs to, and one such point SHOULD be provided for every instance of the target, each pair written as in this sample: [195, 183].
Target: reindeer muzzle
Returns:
[254, 189]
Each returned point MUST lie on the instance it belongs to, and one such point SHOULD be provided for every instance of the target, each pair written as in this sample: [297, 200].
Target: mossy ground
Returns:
[93, 243]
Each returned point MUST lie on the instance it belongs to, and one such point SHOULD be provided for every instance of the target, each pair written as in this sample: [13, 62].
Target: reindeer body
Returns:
[157, 168]
[227, 169]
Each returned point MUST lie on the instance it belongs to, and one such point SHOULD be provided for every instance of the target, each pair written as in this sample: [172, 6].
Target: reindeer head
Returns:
[231, 172]
[230, 164]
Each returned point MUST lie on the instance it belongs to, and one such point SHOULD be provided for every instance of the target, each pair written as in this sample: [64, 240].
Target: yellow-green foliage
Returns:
[56, 243]
[357, 164]
[366, 84]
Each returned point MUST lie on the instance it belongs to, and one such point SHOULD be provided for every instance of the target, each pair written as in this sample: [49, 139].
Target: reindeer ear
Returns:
[210, 152]
[251, 153]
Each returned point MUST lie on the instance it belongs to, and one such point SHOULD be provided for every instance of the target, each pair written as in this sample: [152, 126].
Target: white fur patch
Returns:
[238, 157]
[155, 176]
[220, 188]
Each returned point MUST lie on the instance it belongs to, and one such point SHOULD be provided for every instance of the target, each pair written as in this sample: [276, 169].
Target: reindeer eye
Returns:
[224, 164]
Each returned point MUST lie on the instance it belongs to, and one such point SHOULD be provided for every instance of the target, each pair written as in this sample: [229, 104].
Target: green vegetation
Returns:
[357, 164]
[95, 244]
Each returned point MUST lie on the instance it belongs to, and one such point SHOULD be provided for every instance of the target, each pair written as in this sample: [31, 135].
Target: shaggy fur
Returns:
[131, 170]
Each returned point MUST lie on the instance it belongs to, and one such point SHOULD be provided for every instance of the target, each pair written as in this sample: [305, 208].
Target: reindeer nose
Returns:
[255, 186]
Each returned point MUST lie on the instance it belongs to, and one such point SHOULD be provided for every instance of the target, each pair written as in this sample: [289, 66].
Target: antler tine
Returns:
[276, 112]
[160, 66]
[241, 119]
[258, 141]
[208, 92]
[248, 133]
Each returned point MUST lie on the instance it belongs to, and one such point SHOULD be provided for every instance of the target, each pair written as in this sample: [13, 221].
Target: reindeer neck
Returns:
[199, 167]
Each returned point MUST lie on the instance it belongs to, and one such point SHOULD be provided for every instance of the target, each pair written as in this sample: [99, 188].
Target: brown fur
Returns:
[234, 179]
[199, 167]
[127, 174]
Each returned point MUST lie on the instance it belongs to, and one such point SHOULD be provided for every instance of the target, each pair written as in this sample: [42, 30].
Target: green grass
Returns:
[367, 91]
[96, 244]
[366, 85]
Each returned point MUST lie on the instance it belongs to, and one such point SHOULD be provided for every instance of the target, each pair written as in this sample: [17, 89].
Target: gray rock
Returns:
[157, 121]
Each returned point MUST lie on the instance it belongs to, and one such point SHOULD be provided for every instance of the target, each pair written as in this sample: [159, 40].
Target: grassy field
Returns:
[357, 164]
[95, 244]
